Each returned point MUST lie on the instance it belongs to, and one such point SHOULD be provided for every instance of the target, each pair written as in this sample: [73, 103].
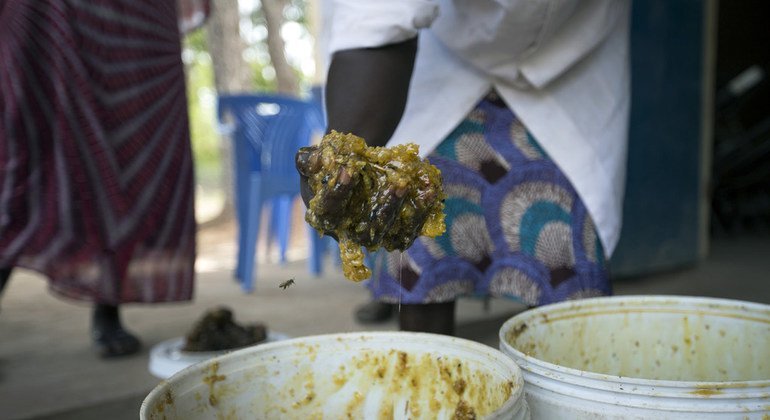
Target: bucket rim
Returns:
[629, 384]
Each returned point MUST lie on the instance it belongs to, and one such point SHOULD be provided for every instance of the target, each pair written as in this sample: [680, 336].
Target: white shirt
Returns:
[560, 65]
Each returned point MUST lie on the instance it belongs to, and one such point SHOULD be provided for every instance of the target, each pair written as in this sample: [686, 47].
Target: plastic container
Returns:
[354, 375]
[644, 357]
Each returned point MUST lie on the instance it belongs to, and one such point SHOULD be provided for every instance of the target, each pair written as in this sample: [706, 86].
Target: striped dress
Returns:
[96, 171]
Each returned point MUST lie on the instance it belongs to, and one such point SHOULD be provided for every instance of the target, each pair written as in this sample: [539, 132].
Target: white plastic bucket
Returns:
[361, 375]
[643, 357]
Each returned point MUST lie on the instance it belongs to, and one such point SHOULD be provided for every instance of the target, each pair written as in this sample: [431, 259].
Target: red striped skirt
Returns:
[96, 171]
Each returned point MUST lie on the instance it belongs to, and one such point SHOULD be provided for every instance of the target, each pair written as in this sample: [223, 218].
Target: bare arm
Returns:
[367, 88]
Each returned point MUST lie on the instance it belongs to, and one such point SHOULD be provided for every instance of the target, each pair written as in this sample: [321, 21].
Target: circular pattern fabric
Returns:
[516, 227]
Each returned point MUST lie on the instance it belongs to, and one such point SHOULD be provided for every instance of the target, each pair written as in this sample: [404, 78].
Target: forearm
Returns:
[367, 88]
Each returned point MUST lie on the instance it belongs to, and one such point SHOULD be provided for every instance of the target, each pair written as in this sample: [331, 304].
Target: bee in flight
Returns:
[286, 284]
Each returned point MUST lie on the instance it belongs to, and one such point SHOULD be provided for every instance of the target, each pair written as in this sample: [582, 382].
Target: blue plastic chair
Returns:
[266, 130]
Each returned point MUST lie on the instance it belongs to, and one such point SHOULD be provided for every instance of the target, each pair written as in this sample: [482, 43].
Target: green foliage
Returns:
[196, 41]
[200, 95]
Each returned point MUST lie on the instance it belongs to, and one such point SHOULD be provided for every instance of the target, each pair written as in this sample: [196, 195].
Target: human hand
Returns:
[331, 200]
[308, 162]
[343, 194]
[337, 188]
[371, 197]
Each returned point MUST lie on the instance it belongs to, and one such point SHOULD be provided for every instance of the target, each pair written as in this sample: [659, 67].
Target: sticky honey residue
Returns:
[707, 392]
[211, 379]
[526, 346]
[166, 401]
[387, 384]
[340, 378]
[354, 403]
[168, 398]
[305, 401]
[517, 331]
[311, 350]
[464, 412]
[229, 415]
[459, 386]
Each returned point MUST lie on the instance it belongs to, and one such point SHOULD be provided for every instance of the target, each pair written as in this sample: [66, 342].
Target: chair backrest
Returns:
[275, 126]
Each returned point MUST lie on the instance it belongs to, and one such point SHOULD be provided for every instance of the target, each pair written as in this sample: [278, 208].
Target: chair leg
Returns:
[283, 206]
[240, 240]
[272, 226]
[334, 249]
[243, 205]
[242, 227]
[316, 251]
[252, 234]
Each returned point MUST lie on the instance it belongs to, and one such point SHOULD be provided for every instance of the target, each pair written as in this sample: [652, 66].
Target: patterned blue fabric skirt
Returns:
[516, 228]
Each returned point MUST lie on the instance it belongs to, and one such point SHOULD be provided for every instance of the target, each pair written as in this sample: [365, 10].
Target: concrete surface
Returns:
[48, 369]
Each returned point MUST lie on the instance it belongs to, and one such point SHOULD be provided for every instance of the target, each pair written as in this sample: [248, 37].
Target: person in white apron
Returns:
[523, 105]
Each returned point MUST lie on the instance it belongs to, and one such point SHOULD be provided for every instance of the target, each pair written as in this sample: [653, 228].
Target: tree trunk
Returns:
[318, 11]
[231, 72]
[231, 75]
[286, 79]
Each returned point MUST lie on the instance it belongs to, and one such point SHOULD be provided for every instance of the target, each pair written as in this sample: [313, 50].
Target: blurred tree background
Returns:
[246, 46]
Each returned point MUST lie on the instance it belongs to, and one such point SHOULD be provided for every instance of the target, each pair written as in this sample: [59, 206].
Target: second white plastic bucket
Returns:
[644, 357]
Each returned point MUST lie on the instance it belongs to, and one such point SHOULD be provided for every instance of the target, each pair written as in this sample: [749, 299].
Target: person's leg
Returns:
[5, 274]
[374, 311]
[110, 338]
[437, 318]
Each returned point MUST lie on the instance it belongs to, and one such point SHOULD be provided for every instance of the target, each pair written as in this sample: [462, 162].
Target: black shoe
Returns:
[109, 337]
[374, 312]
[115, 343]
